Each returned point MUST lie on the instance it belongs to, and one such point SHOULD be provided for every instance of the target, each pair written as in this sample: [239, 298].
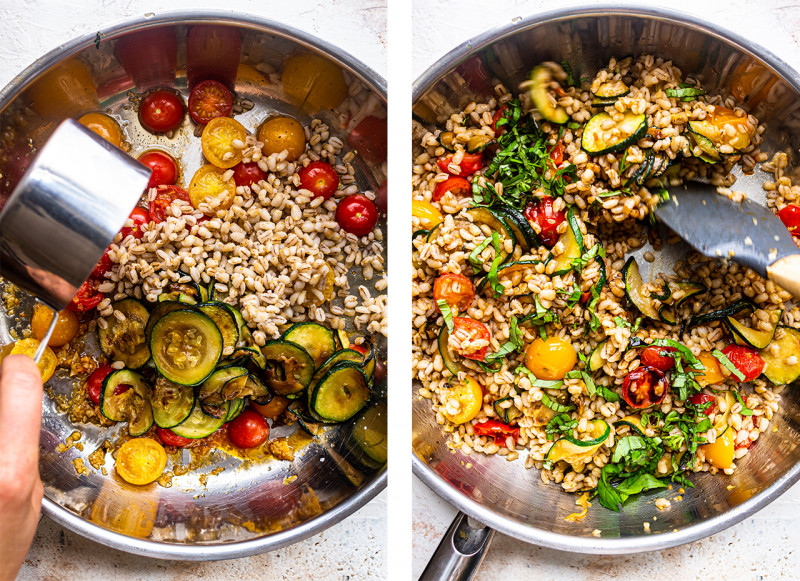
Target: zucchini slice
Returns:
[225, 321]
[289, 368]
[690, 289]
[572, 239]
[172, 403]
[199, 424]
[125, 340]
[496, 223]
[452, 364]
[523, 232]
[506, 414]
[370, 359]
[507, 271]
[574, 451]
[159, 310]
[595, 360]
[634, 423]
[340, 394]
[342, 339]
[708, 151]
[186, 346]
[611, 90]
[316, 339]
[211, 392]
[634, 289]
[598, 141]
[370, 433]
[235, 407]
[729, 311]
[777, 370]
[251, 354]
[341, 355]
[752, 337]
[540, 92]
[125, 398]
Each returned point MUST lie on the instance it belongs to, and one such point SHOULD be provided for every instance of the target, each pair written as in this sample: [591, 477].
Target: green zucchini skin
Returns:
[572, 239]
[126, 340]
[341, 393]
[448, 358]
[540, 79]
[595, 141]
[199, 425]
[171, 403]
[775, 367]
[225, 321]
[289, 368]
[753, 338]
[318, 340]
[130, 405]
[496, 223]
[159, 310]
[634, 290]
[595, 361]
[741, 306]
[612, 90]
[523, 232]
[174, 358]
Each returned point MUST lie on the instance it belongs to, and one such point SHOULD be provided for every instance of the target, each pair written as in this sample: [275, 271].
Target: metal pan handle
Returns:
[460, 552]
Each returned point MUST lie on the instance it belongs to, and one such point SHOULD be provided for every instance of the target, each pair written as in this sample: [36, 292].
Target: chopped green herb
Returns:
[447, 313]
[497, 287]
[685, 93]
[745, 411]
[474, 256]
[726, 363]
[555, 406]
[540, 383]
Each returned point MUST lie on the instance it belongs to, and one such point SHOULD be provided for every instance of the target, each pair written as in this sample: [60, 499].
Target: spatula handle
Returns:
[785, 272]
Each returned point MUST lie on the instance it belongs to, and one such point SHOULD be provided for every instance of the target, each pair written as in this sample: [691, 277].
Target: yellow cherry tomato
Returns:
[66, 326]
[469, 396]
[218, 139]
[207, 187]
[276, 406]
[47, 364]
[282, 133]
[141, 461]
[105, 126]
[720, 453]
[250, 76]
[66, 90]
[313, 82]
[429, 216]
[550, 359]
[713, 372]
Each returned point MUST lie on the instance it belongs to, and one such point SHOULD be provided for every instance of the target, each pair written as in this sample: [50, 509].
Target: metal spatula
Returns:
[745, 232]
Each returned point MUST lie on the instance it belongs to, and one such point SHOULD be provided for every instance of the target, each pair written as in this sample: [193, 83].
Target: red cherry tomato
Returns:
[139, 216]
[320, 179]
[369, 139]
[160, 111]
[644, 387]
[473, 338]
[557, 155]
[357, 214]
[170, 438]
[541, 212]
[87, 297]
[102, 267]
[209, 100]
[159, 206]
[477, 75]
[360, 348]
[746, 360]
[699, 399]
[470, 163]
[454, 289]
[790, 216]
[248, 430]
[495, 118]
[458, 186]
[497, 430]
[247, 174]
[94, 385]
[652, 357]
[165, 170]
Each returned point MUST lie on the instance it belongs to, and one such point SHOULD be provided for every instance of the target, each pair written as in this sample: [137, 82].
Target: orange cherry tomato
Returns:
[459, 187]
[105, 126]
[208, 189]
[454, 289]
[66, 326]
[141, 461]
[712, 373]
[282, 134]
[550, 358]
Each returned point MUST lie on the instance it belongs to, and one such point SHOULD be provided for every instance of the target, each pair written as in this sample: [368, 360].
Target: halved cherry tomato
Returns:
[653, 357]
[469, 396]
[557, 155]
[470, 163]
[141, 461]
[790, 216]
[746, 360]
[282, 134]
[644, 387]
[170, 438]
[139, 216]
[209, 100]
[369, 139]
[105, 126]
[159, 206]
[47, 364]
[459, 187]
[165, 170]
[495, 118]
[247, 174]
[550, 358]
[87, 297]
[248, 430]
[207, 187]
[721, 453]
[94, 385]
[276, 406]
[427, 213]
[357, 214]
[541, 213]
[454, 289]
[470, 338]
[218, 140]
[320, 179]
[66, 326]
[103, 266]
[161, 111]
[497, 430]
[699, 399]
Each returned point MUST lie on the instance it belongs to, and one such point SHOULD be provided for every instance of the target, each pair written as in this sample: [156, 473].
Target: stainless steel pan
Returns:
[241, 511]
[504, 495]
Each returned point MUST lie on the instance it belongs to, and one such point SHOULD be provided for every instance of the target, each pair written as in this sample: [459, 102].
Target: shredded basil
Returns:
[560, 424]
[591, 387]
[515, 343]
[573, 125]
[745, 411]
[447, 313]
[555, 406]
[578, 264]
[727, 364]
[607, 394]
[474, 256]
[540, 383]
[685, 93]
[570, 76]
[497, 287]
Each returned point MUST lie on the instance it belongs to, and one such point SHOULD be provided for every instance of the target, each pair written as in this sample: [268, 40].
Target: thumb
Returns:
[21, 407]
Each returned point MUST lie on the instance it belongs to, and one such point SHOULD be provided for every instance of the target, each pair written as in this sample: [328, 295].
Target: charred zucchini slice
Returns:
[199, 424]
[496, 223]
[289, 368]
[342, 355]
[448, 358]
[598, 141]
[159, 310]
[697, 139]
[125, 340]
[572, 239]
[611, 91]
[370, 359]
[729, 311]
[573, 451]
[225, 321]
[172, 403]
[186, 346]
[523, 232]
[753, 337]
[235, 407]
[541, 94]
[340, 394]
[777, 370]
[634, 289]
[596, 359]
[125, 398]
[211, 392]
[316, 339]
[370, 433]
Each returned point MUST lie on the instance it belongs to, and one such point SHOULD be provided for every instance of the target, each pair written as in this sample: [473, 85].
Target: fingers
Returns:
[21, 409]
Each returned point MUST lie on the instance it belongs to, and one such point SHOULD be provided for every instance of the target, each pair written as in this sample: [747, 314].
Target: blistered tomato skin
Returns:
[644, 387]
[746, 360]
[454, 289]
[541, 213]
[470, 338]
[248, 430]
[458, 187]
[94, 385]
[656, 358]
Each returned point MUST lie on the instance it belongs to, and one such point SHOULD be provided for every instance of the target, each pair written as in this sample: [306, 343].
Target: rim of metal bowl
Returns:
[529, 533]
[229, 550]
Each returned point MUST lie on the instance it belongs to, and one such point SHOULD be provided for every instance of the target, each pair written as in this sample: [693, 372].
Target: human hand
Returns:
[20, 486]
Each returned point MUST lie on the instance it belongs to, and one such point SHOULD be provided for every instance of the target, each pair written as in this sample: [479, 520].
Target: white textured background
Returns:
[353, 549]
[765, 546]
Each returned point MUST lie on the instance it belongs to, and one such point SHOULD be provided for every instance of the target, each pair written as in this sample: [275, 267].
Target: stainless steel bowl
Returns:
[246, 509]
[504, 495]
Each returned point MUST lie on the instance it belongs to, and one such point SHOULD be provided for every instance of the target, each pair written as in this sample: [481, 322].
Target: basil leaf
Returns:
[746, 411]
[685, 93]
[638, 484]
[498, 258]
[607, 394]
[555, 406]
[540, 383]
[626, 445]
[447, 313]
[474, 258]
[727, 364]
